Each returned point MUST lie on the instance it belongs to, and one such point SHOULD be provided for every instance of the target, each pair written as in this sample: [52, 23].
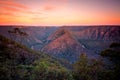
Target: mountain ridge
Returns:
[64, 45]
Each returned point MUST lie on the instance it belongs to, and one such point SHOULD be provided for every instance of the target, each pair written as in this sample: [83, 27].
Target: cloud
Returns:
[13, 4]
[49, 8]
[10, 9]
[14, 9]
[33, 12]
[7, 13]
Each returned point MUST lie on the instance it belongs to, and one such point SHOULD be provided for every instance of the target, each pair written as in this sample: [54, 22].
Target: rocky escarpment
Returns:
[99, 33]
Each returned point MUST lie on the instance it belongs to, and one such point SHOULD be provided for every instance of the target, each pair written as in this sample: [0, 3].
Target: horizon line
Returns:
[19, 25]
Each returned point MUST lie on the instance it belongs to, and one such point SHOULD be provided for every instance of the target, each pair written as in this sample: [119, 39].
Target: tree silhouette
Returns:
[17, 32]
[87, 69]
[113, 54]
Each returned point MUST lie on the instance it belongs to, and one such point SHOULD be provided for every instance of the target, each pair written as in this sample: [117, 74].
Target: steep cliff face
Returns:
[96, 38]
[99, 33]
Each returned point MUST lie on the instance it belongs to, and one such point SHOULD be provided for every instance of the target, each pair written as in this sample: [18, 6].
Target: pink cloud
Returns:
[11, 7]
[49, 8]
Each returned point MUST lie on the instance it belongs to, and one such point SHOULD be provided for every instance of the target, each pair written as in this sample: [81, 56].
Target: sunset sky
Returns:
[59, 12]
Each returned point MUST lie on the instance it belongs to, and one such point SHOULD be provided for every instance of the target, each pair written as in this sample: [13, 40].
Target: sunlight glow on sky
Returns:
[59, 12]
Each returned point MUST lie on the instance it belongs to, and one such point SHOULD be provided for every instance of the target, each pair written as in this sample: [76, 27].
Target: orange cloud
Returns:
[10, 9]
[13, 4]
[7, 13]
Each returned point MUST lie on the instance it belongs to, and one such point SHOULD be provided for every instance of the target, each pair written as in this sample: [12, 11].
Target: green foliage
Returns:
[46, 70]
[26, 64]
[85, 69]
[17, 62]
[113, 54]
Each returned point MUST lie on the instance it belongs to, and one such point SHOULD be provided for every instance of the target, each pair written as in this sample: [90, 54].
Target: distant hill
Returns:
[68, 41]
